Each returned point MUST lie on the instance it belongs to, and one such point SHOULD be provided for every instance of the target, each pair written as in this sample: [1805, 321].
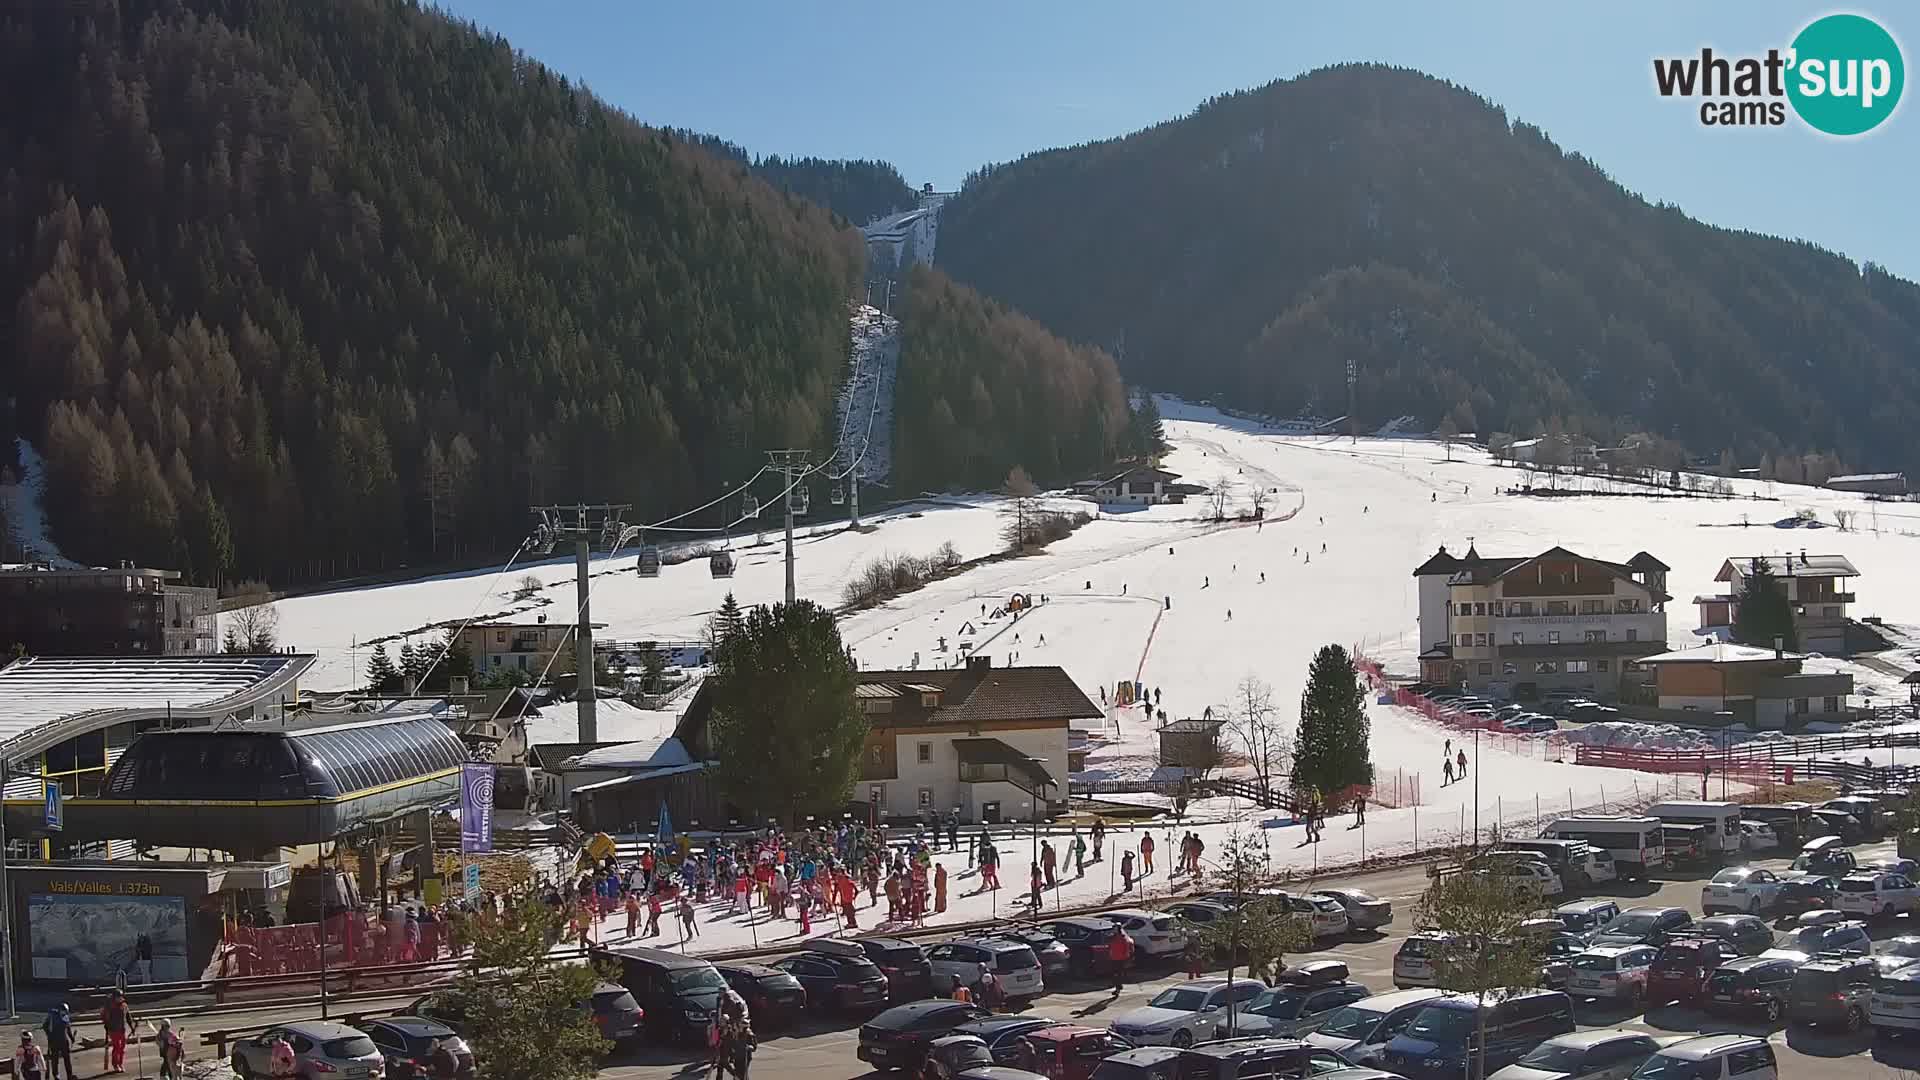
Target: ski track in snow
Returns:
[1380, 506]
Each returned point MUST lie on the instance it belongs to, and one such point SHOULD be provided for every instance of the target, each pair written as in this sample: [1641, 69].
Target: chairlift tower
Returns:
[581, 523]
[792, 467]
[1353, 416]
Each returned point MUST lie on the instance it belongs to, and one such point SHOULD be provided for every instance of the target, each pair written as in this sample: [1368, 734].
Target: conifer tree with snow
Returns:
[382, 676]
[409, 660]
[1144, 428]
[1331, 750]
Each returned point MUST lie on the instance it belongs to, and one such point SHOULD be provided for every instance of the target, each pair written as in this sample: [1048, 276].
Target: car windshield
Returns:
[1807, 940]
[352, 1046]
[1577, 920]
[1416, 947]
[1360, 896]
[1665, 1067]
[1550, 1058]
[614, 1001]
[1903, 988]
[1631, 924]
[1327, 905]
[1016, 959]
[1353, 1022]
[1180, 999]
[1442, 1025]
[697, 979]
[1732, 877]
[1594, 963]
[1685, 955]
[1277, 1004]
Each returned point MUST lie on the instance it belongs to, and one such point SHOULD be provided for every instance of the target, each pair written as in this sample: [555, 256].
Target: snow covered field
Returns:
[1228, 601]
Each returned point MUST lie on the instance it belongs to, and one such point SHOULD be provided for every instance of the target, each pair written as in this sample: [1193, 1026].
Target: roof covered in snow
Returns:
[1720, 652]
[48, 699]
[644, 754]
[1788, 564]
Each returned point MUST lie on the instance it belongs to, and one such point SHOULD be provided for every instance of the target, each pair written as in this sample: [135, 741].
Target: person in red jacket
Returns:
[117, 1019]
[1119, 951]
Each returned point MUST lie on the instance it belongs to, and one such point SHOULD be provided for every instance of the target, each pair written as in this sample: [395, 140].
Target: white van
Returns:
[1634, 842]
[1722, 820]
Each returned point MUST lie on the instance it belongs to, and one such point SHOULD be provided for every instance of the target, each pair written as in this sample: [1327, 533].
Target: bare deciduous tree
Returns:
[1262, 495]
[1222, 491]
[253, 629]
[1256, 726]
[527, 588]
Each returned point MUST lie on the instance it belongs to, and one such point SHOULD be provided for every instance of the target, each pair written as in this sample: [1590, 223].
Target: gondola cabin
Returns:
[648, 564]
[721, 564]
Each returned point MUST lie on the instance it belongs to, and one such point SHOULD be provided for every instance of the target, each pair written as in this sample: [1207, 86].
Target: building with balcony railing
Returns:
[1527, 624]
[526, 646]
[1765, 688]
[1816, 586]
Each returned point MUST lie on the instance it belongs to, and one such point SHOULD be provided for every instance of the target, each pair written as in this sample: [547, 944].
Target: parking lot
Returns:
[824, 1048]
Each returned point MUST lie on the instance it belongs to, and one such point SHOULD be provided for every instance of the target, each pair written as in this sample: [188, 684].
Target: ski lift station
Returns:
[205, 761]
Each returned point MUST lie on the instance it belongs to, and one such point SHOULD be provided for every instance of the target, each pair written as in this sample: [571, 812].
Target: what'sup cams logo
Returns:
[1842, 75]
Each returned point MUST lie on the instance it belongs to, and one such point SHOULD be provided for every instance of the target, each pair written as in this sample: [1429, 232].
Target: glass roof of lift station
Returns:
[326, 759]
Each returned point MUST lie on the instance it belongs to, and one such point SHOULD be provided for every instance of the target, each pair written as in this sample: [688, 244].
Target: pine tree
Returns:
[1764, 612]
[725, 623]
[1146, 433]
[410, 660]
[785, 731]
[382, 676]
[1331, 751]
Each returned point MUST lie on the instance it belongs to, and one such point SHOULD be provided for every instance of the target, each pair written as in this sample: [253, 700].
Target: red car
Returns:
[1681, 971]
[1068, 1051]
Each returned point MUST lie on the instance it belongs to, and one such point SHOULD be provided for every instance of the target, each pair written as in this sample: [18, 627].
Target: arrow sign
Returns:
[56, 810]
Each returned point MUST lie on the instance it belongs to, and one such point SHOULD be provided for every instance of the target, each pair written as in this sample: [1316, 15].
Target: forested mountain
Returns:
[295, 289]
[982, 389]
[857, 190]
[1459, 259]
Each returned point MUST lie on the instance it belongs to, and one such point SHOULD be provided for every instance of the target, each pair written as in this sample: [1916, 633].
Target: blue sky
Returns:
[939, 89]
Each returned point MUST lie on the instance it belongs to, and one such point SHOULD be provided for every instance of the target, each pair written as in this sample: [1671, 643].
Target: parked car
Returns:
[1233, 1059]
[837, 982]
[1142, 1063]
[1361, 1031]
[1556, 964]
[1069, 1051]
[1799, 895]
[1808, 941]
[1685, 965]
[1871, 816]
[1056, 960]
[1833, 991]
[1088, 941]
[407, 1043]
[1712, 1057]
[1906, 868]
[968, 959]
[909, 975]
[1645, 926]
[774, 997]
[1748, 934]
[1524, 869]
[1843, 827]
[1296, 1005]
[1326, 915]
[1578, 864]
[1871, 894]
[950, 1055]
[1602, 1054]
[1003, 1033]
[1441, 1041]
[1365, 911]
[1615, 972]
[1758, 836]
[1199, 912]
[1185, 1013]
[899, 1037]
[1740, 888]
[615, 1011]
[678, 995]
[319, 1049]
[1898, 952]
[1752, 985]
[1587, 917]
[1894, 1006]
[1153, 932]
[1413, 961]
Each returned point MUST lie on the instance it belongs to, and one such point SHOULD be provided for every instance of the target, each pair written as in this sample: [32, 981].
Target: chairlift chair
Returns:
[749, 506]
[839, 494]
[802, 502]
[721, 564]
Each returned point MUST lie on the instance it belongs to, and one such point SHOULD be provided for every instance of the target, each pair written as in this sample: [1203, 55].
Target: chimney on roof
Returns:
[979, 662]
[1779, 648]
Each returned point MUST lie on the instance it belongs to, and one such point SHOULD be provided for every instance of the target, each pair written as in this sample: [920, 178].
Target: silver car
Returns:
[319, 1049]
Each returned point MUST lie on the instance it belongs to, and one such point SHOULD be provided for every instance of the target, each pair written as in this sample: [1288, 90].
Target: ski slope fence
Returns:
[1488, 732]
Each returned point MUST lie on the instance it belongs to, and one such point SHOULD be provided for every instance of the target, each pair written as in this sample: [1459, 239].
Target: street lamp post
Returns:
[1476, 786]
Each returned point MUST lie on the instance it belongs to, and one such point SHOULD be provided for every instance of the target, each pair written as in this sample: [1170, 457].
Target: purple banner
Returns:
[476, 807]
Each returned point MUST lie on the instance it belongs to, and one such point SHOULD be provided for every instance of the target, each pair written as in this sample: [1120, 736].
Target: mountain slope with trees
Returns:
[295, 290]
[982, 389]
[1462, 261]
[858, 190]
